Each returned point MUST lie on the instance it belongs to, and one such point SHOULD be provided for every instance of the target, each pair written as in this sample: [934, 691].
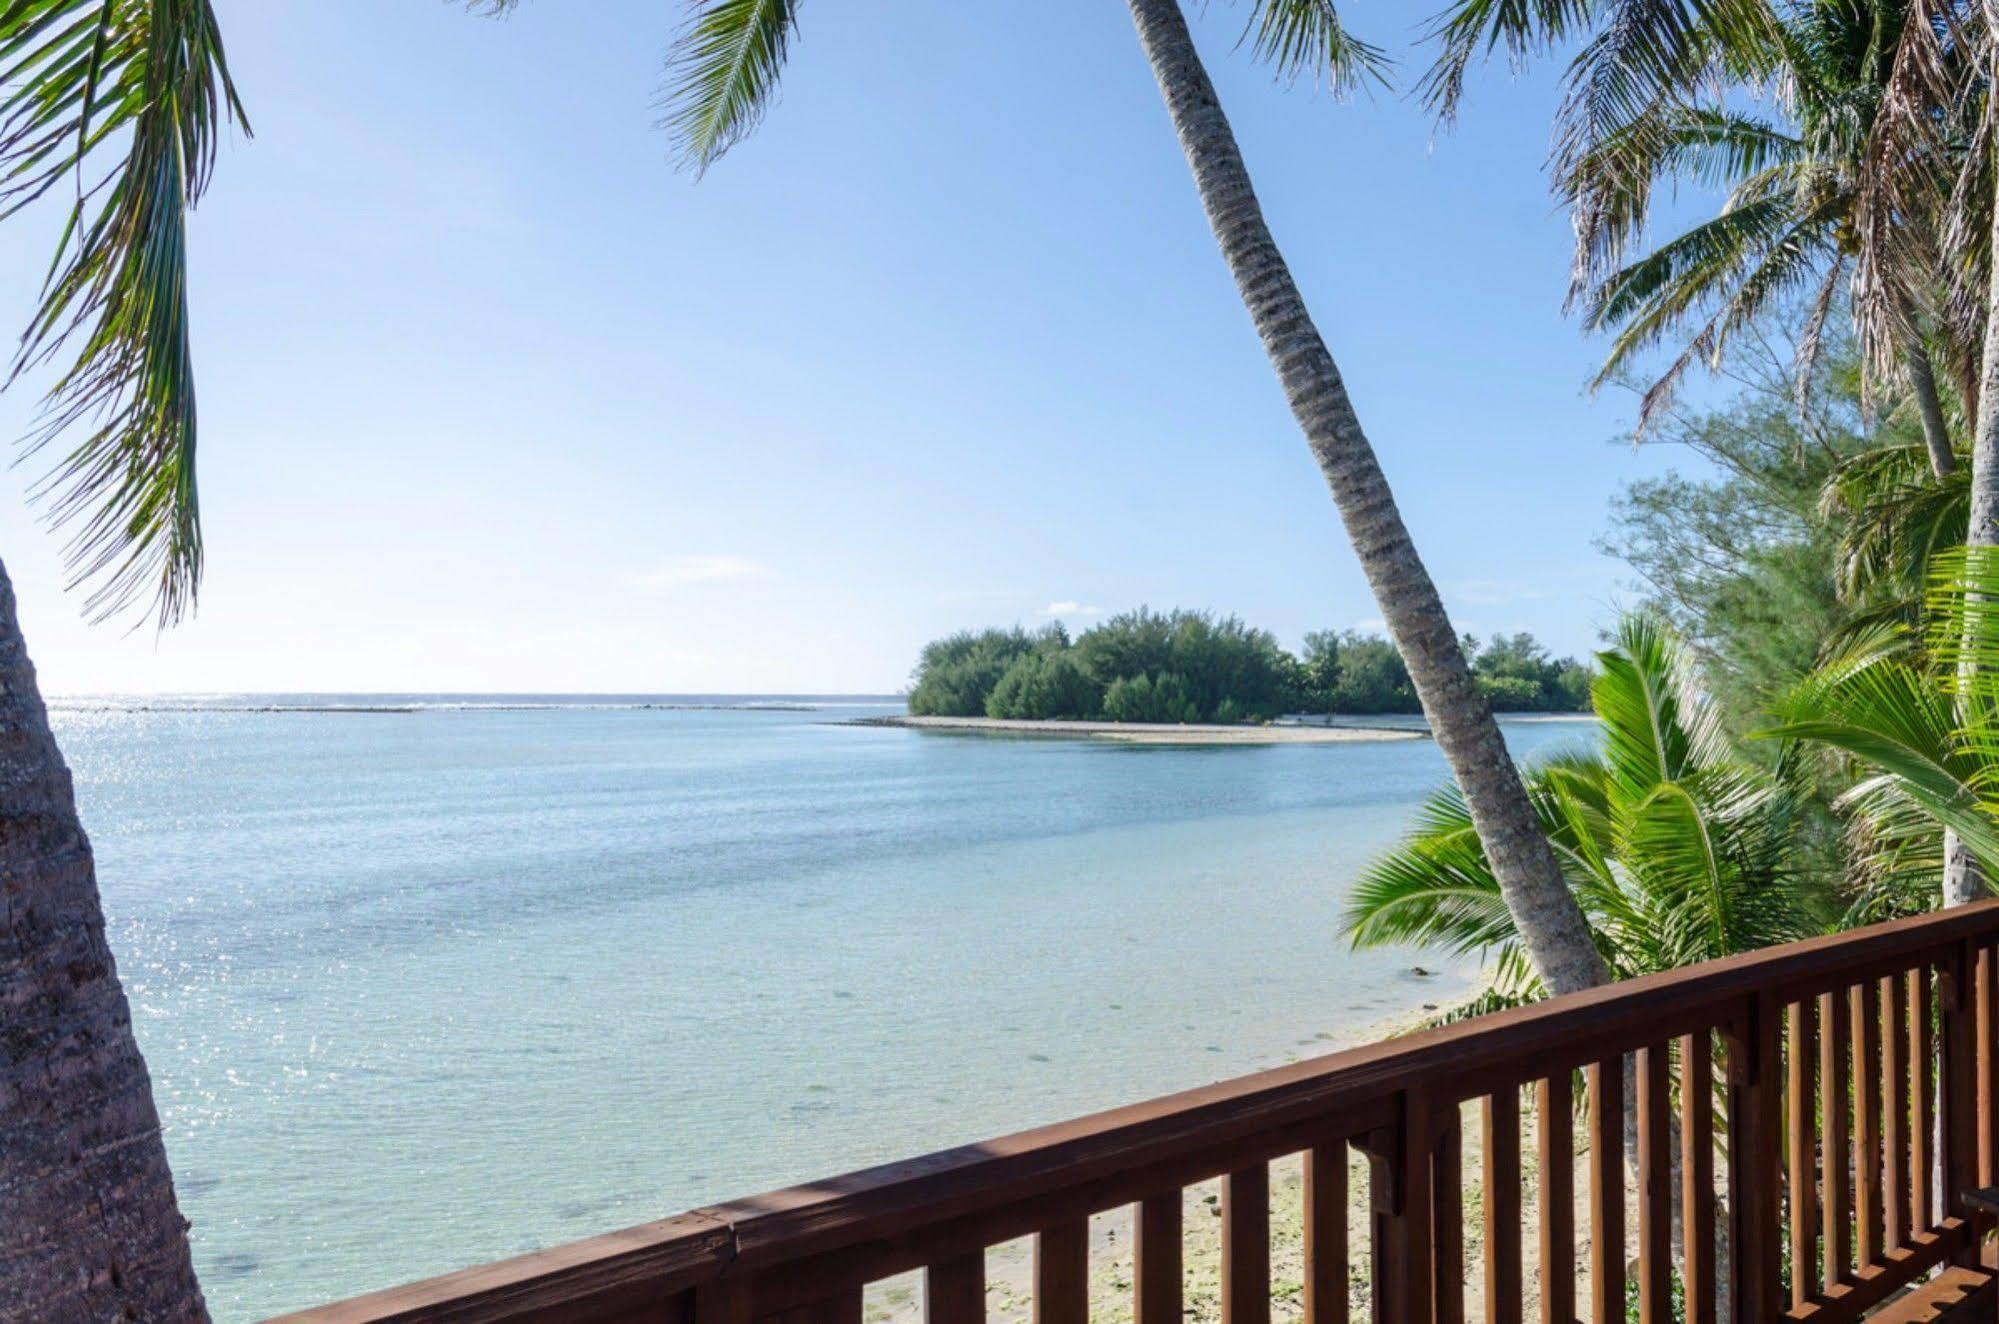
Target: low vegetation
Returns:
[1192, 666]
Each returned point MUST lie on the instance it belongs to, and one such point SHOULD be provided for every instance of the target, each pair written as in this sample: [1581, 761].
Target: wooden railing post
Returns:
[1697, 1172]
[840, 1307]
[1062, 1274]
[1606, 1188]
[1444, 1157]
[1325, 1232]
[1957, 1098]
[1866, 1009]
[1500, 1192]
[1387, 1223]
[1399, 1158]
[1800, 1145]
[1555, 1147]
[1754, 1161]
[954, 1290]
[1245, 1247]
[1835, 1145]
[726, 1300]
[1157, 1253]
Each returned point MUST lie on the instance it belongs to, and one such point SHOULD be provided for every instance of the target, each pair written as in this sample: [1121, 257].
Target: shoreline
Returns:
[1134, 733]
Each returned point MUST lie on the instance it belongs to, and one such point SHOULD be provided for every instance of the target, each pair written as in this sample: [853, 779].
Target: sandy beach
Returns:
[1141, 734]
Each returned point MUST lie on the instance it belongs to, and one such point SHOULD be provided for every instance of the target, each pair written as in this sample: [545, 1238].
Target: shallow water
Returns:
[428, 987]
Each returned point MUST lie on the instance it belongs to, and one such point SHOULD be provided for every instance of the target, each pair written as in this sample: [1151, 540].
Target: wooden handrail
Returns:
[805, 1246]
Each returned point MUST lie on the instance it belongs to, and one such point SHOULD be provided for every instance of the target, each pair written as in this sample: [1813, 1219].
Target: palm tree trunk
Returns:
[1962, 880]
[1929, 407]
[89, 1230]
[1551, 923]
[1984, 531]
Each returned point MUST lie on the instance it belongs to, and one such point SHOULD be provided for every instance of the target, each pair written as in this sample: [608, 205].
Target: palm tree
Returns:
[1804, 211]
[725, 69]
[1835, 195]
[126, 98]
[1860, 184]
[1677, 850]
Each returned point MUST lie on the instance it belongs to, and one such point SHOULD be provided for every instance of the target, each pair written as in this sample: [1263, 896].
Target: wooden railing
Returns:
[1830, 1103]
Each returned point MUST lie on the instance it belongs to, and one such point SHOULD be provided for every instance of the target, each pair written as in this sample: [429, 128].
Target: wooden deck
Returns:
[1807, 1086]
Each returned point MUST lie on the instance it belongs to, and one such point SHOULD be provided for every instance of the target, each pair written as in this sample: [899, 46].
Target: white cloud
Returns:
[1066, 608]
[679, 571]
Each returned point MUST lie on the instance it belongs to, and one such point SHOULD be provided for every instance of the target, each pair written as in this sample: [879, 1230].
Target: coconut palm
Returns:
[1881, 174]
[724, 73]
[1803, 210]
[118, 103]
[1827, 193]
[1677, 850]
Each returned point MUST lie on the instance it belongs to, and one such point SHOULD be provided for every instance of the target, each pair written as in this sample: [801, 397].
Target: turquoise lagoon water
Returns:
[428, 987]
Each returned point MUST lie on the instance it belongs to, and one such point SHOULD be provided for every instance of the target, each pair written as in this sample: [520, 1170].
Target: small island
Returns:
[1155, 733]
[1192, 677]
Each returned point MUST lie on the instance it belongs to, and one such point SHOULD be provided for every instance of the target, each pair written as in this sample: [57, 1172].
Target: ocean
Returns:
[430, 980]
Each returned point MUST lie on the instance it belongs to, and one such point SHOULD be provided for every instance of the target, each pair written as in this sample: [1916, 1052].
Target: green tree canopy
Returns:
[1196, 666]
[958, 673]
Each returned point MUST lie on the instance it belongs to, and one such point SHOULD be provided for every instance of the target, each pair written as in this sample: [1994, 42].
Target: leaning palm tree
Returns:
[724, 72]
[1677, 850]
[117, 104]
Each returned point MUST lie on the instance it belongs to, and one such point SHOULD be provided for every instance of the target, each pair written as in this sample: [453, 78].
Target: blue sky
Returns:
[492, 399]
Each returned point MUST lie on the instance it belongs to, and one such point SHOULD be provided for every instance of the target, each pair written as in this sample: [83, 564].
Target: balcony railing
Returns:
[1814, 1113]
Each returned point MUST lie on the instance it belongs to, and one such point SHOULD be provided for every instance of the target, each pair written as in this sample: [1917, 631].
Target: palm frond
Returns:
[1649, 52]
[1436, 887]
[1649, 296]
[1894, 853]
[1895, 517]
[81, 78]
[1468, 30]
[1634, 52]
[1961, 615]
[1657, 725]
[723, 72]
[1879, 704]
[1739, 265]
[1609, 188]
[1305, 38]
[1901, 172]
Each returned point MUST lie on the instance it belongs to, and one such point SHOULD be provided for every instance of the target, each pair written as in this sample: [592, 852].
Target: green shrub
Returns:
[956, 674]
[1511, 694]
[1044, 684]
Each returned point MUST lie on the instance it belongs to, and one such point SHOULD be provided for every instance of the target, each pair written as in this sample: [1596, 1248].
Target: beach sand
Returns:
[1149, 734]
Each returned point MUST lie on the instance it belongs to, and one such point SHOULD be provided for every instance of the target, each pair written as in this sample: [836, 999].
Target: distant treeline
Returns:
[1191, 666]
